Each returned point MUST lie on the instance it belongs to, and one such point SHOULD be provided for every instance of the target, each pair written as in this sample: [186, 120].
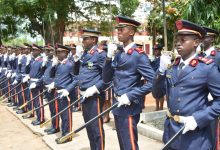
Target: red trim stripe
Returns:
[41, 109]
[100, 124]
[70, 116]
[57, 117]
[9, 88]
[131, 133]
[32, 103]
[23, 97]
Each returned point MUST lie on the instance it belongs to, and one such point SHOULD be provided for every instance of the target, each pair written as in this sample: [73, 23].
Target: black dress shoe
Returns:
[11, 105]
[53, 131]
[62, 142]
[16, 108]
[35, 123]
[21, 111]
[46, 130]
[28, 116]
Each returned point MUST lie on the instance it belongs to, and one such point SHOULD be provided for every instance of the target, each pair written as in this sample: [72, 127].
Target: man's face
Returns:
[157, 52]
[17, 52]
[88, 42]
[26, 51]
[208, 40]
[49, 53]
[73, 50]
[36, 52]
[186, 45]
[124, 34]
[62, 55]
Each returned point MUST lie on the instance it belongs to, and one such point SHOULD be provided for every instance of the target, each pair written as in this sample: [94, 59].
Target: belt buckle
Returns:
[176, 118]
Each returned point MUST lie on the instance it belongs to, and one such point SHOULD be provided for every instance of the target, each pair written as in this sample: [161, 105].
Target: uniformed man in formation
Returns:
[65, 74]
[126, 69]
[187, 83]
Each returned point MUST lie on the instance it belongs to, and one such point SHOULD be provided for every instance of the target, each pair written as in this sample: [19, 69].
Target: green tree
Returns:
[203, 12]
[50, 17]
[127, 7]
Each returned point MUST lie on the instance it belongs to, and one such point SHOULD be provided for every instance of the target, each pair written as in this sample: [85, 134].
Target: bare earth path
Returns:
[15, 136]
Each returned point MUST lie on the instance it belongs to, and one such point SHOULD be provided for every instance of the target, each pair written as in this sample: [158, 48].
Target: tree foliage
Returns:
[49, 18]
[203, 12]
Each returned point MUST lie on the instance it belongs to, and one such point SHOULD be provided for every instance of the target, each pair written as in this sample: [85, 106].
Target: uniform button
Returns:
[178, 99]
[173, 86]
[181, 87]
[177, 110]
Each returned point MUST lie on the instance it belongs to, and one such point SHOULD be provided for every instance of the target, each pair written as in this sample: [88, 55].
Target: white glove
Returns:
[8, 75]
[43, 55]
[5, 57]
[15, 82]
[210, 97]
[90, 92]
[29, 57]
[12, 56]
[1, 69]
[152, 58]
[111, 50]
[165, 62]
[64, 92]
[123, 100]
[26, 78]
[19, 59]
[6, 72]
[189, 122]
[79, 52]
[32, 86]
[55, 61]
[50, 87]
[45, 59]
[13, 75]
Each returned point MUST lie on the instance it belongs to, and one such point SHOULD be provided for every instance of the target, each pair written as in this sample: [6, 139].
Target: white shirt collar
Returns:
[187, 61]
[128, 47]
[208, 51]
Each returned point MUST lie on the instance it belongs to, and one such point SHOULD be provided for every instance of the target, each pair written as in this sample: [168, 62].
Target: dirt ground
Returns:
[15, 136]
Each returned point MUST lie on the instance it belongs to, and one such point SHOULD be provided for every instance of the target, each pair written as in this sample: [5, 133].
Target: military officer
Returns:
[76, 52]
[186, 85]
[62, 72]
[126, 70]
[23, 60]
[155, 65]
[36, 72]
[91, 87]
[210, 51]
[46, 79]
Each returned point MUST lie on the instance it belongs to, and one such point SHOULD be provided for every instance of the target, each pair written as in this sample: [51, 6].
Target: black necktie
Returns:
[181, 65]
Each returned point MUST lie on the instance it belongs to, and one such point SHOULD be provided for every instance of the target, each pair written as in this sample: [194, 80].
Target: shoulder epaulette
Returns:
[130, 51]
[206, 60]
[139, 50]
[213, 53]
[194, 62]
